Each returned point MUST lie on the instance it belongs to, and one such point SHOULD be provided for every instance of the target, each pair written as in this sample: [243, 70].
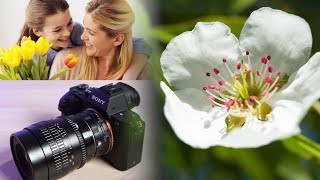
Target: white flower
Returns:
[208, 66]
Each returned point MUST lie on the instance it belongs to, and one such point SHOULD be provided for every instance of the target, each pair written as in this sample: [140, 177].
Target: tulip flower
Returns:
[42, 46]
[11, 67]
[71, 60]
[227, 91]
[28, 48]
[12, 57]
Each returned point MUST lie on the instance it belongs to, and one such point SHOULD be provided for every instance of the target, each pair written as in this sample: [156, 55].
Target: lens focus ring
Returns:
[81, 141]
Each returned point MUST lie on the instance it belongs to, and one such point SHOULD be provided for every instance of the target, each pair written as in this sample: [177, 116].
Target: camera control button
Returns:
[82, 86]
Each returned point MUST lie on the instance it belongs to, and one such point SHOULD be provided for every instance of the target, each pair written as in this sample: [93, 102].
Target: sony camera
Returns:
[94, 122]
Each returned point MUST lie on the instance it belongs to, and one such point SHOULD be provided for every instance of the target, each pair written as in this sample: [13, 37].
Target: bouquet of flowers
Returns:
[16, 62]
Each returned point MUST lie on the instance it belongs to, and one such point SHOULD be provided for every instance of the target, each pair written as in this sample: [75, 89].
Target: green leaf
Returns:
[4, 77]
[303, 147]
[162, 35]
[12, 73]
[240, 5]
[31, 63]
[2, 66]
[44, 73]
[18, 77]
[249, 160]
[23, 72]
[291, 168]
[43, 62]
[35, 73]
[37, 67]
[169, 31]
[5, 71]
[8, 72]
[174, 157]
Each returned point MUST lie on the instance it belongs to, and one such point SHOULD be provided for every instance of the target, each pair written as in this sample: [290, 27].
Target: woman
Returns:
[52, 20]
[108, 49]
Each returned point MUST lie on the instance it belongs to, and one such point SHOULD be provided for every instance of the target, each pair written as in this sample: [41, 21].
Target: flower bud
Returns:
[12, 57]
[71, 60]
[42, 46]
[28, 48]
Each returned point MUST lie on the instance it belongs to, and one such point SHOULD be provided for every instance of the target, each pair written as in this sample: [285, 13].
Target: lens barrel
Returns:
[51, 149]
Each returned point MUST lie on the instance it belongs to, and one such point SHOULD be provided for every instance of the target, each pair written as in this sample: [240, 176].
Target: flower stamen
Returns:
[244, 97]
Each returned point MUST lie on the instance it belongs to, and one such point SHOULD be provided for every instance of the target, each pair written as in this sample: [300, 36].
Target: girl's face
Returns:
[97, 42]
[57, 29]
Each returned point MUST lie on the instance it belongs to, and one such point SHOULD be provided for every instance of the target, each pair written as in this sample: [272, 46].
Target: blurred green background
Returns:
[279, 160]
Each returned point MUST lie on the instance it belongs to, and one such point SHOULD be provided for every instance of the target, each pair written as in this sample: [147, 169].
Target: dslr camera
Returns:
[94, 122]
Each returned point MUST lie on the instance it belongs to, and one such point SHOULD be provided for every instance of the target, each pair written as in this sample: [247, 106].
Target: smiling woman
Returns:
[52, 20]
[108, 49]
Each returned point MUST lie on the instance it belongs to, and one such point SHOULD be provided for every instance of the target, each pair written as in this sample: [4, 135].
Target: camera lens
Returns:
[51, 149]
[132, 96]
[24, 160]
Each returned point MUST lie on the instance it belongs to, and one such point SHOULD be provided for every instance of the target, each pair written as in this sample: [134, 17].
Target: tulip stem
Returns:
[60, 73]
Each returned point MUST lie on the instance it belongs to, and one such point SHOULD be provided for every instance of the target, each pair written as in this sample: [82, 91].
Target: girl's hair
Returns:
[36, 13]
[114, 17]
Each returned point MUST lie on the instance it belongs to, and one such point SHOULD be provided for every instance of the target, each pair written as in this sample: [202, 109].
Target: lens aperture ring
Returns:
[81, 141]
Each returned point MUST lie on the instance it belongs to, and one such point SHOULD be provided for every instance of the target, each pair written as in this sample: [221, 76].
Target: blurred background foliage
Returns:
[285, 159]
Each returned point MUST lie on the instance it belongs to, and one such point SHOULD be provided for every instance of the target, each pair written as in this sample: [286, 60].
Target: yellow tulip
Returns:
[28, 48]
[24, 38]
[42, 46]
[12, 57]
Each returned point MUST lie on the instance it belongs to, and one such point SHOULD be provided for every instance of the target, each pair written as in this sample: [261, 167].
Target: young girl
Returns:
[108, 48]
[52, 20]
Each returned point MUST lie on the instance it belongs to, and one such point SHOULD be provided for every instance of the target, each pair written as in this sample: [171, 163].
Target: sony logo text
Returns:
[97, 99]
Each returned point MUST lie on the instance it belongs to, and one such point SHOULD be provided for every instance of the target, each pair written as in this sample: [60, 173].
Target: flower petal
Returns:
[194, 121]
[254, 133]
[184, 109]
[286, 37]
[190, 55]
[291, 104]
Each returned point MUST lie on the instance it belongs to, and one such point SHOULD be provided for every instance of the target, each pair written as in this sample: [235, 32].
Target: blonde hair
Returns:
[36, 13]
[114, 17]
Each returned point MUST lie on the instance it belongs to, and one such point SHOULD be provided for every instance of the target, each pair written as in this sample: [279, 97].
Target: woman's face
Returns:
[57, 29]
[96, 41]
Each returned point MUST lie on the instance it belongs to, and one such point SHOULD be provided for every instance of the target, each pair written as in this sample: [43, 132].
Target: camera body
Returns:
[113, 103]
